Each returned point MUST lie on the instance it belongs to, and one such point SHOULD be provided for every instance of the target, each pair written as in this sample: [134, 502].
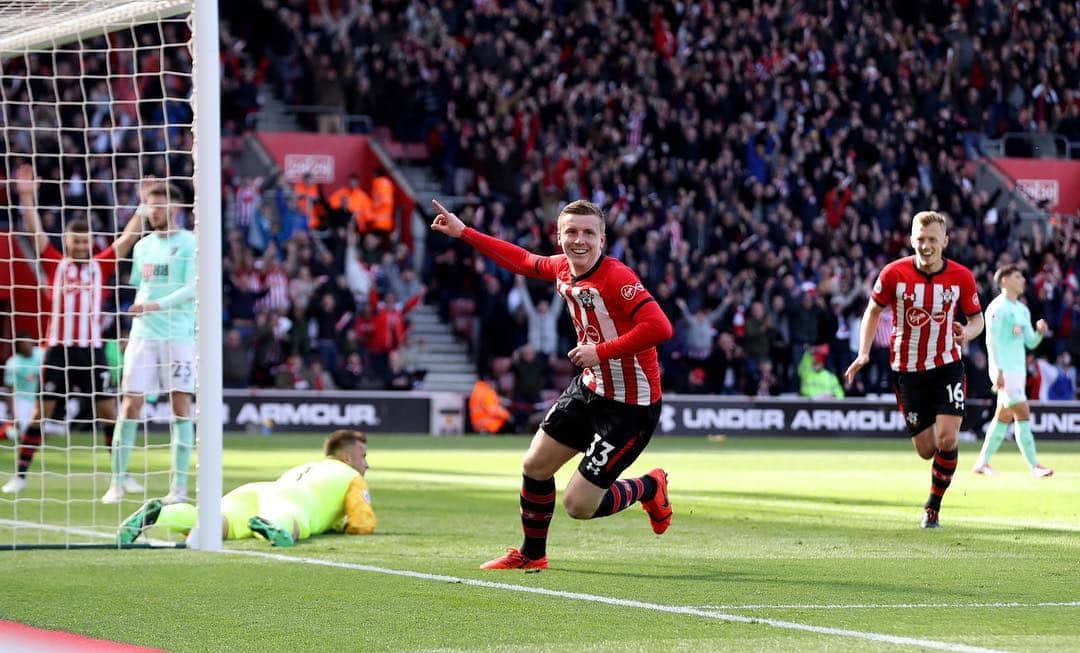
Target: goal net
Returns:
[98, 256]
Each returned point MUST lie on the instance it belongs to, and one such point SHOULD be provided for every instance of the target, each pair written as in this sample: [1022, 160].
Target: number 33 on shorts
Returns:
[595, 460]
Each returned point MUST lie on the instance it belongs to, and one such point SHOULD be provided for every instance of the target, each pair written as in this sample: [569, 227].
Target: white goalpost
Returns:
[109, 120]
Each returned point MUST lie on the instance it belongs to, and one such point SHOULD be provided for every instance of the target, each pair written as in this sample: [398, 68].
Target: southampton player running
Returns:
[160, 355]
[74, 361]
[1008, 333]
[925, 291]
[326, 495]
[611, 409]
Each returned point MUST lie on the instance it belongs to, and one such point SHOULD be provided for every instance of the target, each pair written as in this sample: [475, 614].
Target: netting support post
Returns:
[208, 261]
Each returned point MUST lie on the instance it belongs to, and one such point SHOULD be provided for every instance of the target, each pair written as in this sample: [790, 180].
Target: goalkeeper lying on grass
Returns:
[329, 494]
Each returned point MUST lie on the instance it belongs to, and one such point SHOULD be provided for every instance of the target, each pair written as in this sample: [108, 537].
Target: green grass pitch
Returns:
[797, 534]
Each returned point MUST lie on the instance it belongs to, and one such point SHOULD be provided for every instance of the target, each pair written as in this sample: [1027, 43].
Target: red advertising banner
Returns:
[1056, 181]
[330, 159]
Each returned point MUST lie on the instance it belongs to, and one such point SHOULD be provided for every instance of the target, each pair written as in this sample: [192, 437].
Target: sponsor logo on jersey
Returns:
[629, 291]
[916, 317]
[1017, 330]
[155, 270]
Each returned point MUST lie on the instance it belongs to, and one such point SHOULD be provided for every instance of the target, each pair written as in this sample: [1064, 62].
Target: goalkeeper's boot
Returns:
[139, 521]
[983, 469]
[514, 559]
[929, 519]
[15, 485]
[274, 535]
[659, 507]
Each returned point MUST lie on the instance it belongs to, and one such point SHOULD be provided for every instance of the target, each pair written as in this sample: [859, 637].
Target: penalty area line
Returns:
[624, 603]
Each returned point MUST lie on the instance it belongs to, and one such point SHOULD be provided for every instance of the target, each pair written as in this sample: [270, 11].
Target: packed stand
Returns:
[759, 167]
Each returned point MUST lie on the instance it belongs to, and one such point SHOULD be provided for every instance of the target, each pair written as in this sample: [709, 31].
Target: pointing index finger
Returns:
[440, 208]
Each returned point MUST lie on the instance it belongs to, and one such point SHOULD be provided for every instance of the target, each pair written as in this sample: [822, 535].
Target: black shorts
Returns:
[69, 372]
[922, 396]
[611, 434]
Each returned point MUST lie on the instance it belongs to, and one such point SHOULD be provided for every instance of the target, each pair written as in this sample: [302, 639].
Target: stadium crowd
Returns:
[759, 163]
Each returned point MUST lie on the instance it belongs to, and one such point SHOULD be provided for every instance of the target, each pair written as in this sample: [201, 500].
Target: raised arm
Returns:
[130, 235]
[26, 187]
[506, 255]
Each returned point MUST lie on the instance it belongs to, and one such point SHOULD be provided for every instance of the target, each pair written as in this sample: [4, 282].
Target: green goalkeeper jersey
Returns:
[1008, 334]
[163, 271]
[321, 488]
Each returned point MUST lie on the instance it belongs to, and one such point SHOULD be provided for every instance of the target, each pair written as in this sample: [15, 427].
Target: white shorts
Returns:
[158, 366]
[1014, 391]
[24, 410]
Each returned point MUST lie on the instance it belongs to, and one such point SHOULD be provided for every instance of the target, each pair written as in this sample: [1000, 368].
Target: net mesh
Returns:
[96, 98]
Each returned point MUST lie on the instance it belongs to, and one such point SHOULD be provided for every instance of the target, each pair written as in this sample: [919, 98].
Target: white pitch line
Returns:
[625, 603]
[886, 606]
[72, 530]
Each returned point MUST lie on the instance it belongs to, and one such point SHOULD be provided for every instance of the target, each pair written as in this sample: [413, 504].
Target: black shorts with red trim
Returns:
[74, 372]
[611, 434]
[922, 396]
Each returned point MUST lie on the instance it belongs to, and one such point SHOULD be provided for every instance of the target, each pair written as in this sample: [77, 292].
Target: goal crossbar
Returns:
[28, 26]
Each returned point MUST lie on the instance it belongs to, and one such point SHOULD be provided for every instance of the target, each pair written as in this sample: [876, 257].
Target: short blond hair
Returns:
[585, 207]
[927, 218]
[341, 439]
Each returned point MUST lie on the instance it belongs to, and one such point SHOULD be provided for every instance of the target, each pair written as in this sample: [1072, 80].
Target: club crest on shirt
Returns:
[948, 296]
[586, 299]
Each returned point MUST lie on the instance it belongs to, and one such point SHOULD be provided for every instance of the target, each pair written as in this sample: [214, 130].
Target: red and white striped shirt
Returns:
[610, 308]
[76, 292]
[277, 299]
[925, 309]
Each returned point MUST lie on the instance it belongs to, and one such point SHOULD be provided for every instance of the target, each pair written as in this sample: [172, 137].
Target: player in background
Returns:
[22, 380]
[160, 355]
[325, 495]
[1008, 333]
[609, 411]
[926, 291]
[74, 361]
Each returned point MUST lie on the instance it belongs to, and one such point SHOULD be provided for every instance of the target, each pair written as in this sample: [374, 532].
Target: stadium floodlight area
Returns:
[97, 97]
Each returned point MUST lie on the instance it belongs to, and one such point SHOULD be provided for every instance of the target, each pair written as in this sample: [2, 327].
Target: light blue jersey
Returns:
[1008, 335]
[163, 271]
[23, 375]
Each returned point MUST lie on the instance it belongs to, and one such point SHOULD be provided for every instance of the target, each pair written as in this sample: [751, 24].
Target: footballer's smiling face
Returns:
[582, 240]
[929, 241]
